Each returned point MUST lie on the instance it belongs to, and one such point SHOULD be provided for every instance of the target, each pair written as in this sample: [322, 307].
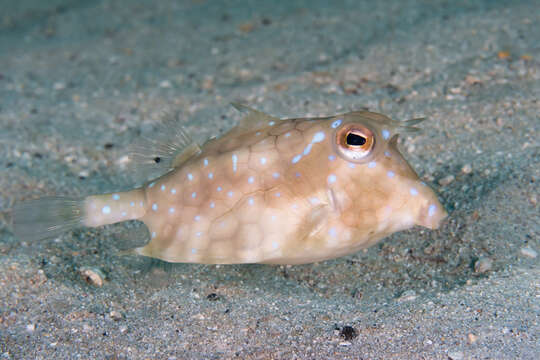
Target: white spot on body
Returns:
[210, 175]
[278, 194]
[171, 210]
[153, 234]
[431, 210]
[351, 165]
[372, 164]
[205, 162]
[272, 123]
[296, 159]
[250, 201]
[197, 218]
[234, 162]
[308, 148]
[287, 134]
[257, 133]
[387, 153]
[275, 245]
[413, 191]
[151, 185]
[332, 178]
[332, 232]
[190, 176]
[318, 137]
[212, 205]
[263, 160]
[106, 210]
[173, 191]
[251, 179]
[154, 207]
[219, 188]
[275, 175]
[385, 134]
[314, 201]
[132, 204]
[194, 251]
[194, 194]
[336, 123]
[230, 194]
[124, 214]
[116, 197]
[331, 157]
[162, 187]
[390, 174]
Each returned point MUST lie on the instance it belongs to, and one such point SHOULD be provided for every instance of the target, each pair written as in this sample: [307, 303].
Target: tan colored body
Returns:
[276, 191]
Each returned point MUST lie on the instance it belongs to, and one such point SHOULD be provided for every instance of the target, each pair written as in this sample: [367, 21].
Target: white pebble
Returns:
[529, 252]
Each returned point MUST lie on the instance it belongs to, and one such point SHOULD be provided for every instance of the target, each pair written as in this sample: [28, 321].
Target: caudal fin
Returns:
[47, 217]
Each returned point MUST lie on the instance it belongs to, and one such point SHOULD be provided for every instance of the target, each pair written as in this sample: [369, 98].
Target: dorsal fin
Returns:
[254, 119]
[167, 148]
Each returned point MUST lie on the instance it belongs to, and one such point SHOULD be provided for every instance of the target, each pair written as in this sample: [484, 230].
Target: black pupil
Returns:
[355, 139]
[157, 159]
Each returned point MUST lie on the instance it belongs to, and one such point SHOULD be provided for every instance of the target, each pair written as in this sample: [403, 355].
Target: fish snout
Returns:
[430, 213]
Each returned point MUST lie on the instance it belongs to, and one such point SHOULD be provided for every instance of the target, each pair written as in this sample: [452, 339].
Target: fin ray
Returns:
[167, 149]
[253, 119]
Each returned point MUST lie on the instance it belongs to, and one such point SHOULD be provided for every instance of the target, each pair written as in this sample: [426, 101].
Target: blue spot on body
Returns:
[351, 165]
[318, 137]
[297, 174]
[278, 194]
[212, 205]
[219, 188]
[296, 159]
[332, 232]
[205, 161]
[275, 245]
[287, 134]
[250, 201]
[210, 175]
[151, 185]
[372, 164]
[153, 234]
[332, 178]
[413, 192]
[234, 162]
[173, 191]
[106, 210]
[263, 160]
[230, 194]
[251, 179]
[275, 175]
[154, 207]
[390, 174]
[171, 210]
[194, 194]
[116, 197]
[336, 123]
[331, 157]
[387, 154]
[162, 187]
[132, 204]
[197, 218]
[308, 148]
[190, 176]
[385, 134]
[272, 123]
[431, 210]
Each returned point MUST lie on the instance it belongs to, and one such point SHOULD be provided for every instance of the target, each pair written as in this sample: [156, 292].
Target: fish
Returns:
[273, 191]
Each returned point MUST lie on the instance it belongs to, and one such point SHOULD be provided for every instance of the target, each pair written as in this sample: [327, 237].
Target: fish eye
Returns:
[354, 142]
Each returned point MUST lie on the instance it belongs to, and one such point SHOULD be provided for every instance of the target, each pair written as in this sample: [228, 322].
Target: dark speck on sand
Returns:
[81, 80]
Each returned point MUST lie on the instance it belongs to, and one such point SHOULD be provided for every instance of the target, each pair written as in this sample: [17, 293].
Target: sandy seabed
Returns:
[81, 80]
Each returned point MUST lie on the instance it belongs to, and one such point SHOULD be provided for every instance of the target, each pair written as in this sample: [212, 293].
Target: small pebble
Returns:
[466, 169]
[483, 265]
[408, 295]
[446, 180]
[529, 252]
[30, 327]
[472, 338]
[455, 355]
[348, 332]
[115, 315]
[92, 276]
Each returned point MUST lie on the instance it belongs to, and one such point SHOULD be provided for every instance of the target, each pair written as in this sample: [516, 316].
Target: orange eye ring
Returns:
[354, 142]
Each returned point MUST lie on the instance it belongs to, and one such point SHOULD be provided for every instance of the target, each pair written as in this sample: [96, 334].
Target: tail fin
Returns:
[47, 217]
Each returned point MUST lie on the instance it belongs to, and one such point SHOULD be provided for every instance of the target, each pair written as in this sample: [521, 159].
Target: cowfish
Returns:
[271, 191]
